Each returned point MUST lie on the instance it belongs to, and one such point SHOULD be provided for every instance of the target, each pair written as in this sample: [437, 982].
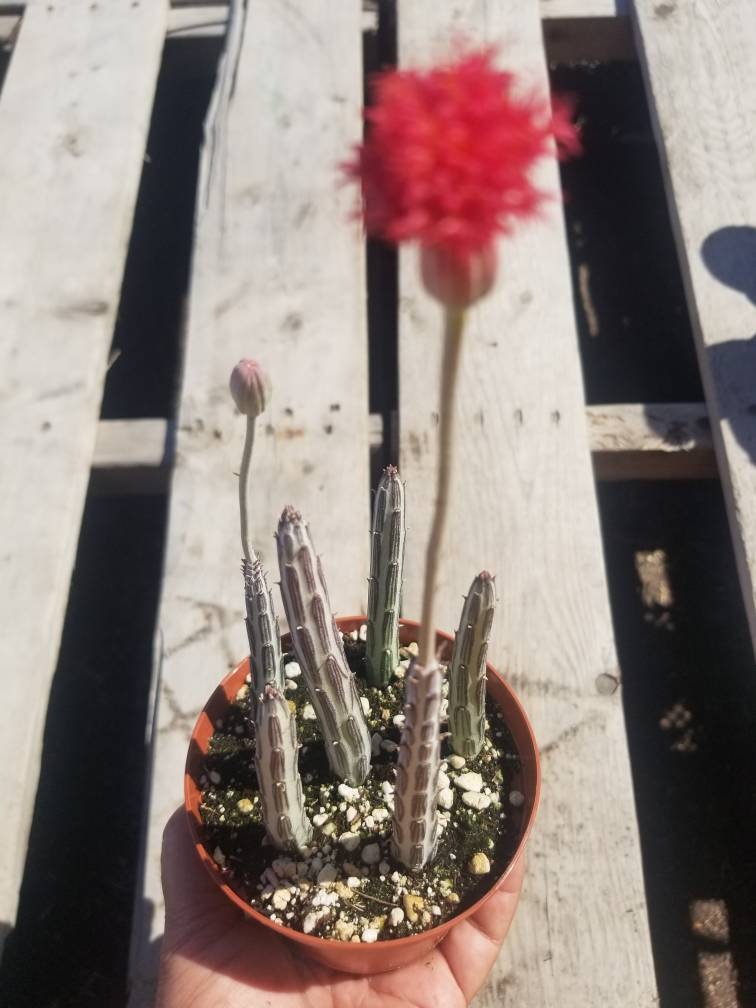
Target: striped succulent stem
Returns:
[278, 779]
[467, 671]
[266, 659]
[385, 584]
[414, 823]
[320, 651]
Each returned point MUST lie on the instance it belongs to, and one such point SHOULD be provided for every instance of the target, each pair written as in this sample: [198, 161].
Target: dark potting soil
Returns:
[355, 897]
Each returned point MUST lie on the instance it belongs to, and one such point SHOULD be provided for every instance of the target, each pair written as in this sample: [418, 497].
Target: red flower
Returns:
[449, 152]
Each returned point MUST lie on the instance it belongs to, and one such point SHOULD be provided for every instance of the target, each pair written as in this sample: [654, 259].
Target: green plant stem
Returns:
[454, 322]
[249, 441]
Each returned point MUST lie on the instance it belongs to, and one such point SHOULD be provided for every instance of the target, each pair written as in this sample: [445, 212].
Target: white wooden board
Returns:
[73, 121]
[278, 274]
[700, 62]
[523, 506]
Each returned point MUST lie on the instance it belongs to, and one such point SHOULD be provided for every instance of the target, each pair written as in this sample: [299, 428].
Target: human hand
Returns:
[212, 957]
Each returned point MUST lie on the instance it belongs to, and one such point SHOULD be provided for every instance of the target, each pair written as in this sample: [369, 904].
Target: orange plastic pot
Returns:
[351, 957]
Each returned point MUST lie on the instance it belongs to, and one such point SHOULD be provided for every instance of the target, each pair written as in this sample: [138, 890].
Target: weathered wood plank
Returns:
[208, 18]
[278, 274]
[73, 121]
[651, 441]
[700, 64]
[523, 506]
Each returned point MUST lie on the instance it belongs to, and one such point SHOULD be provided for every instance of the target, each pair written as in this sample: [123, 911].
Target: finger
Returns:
[189, 892]
[471, 947]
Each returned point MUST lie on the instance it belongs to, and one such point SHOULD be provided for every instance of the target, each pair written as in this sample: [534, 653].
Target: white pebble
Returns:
[375, 744]
[370, 935]
[384, 867]
[413, 649]
[443, 780]
[351, 813]
[474, 800]
[349, 793]
[215, 777]
[387, 788]
[363, 632]
[281, 898]
[290, 685]
[398, 720]
[365, 703]
[457, 762]
[396, 917]
[516, 798]
[353, 882]
[371, 854]
[308, 712]
[388, 745]
[292, 670]
[349, 841]
[380, 814]
[219, 857]
[446, 798]
[321, 818]
[469, 782]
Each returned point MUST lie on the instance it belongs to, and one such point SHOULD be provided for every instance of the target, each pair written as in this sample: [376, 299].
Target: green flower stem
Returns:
[454, 322]
[249, 441]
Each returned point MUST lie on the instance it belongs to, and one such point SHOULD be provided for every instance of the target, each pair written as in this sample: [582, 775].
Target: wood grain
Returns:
[74, 115]
[278, 274]
[523, 506]
[700, 64]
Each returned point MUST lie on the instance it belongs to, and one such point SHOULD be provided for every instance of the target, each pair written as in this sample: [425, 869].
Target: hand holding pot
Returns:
[212, 956]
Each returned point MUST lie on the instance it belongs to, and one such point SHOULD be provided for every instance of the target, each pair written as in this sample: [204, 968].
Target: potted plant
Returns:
[362, 784]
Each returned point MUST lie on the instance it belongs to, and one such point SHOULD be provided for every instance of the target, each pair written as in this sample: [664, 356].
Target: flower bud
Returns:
[250, 387]
[457, 280]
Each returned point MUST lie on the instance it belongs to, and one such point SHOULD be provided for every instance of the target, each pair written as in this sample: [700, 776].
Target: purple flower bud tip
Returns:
[250, 387]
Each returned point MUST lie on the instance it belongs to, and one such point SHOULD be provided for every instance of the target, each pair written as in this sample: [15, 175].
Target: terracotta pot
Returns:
[353, 957]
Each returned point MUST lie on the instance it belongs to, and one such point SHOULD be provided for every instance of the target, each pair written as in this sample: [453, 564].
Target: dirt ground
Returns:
[688, 683]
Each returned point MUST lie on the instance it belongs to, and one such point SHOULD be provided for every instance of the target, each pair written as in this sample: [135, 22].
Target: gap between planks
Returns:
[629, 441]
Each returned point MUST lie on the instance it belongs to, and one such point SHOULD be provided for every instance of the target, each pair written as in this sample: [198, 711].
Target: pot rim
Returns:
[440, 930]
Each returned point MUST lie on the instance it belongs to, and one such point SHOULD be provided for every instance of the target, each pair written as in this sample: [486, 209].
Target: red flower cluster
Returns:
[449, 152]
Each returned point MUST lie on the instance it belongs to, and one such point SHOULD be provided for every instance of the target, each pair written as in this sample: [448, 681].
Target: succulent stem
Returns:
[467, 672]
[385, 584]
[320, 651]
[266, 660]
[278, 779]
[454, 321]
[414, 832]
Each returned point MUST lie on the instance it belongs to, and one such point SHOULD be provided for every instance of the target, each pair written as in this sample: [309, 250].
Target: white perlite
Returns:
[312, 920]
[396, 917]
[308, 712]
[281, 898]
[446, 798]
[469, 781]
[292, 670]
[474, 800]
[370, 935]
[348, 793]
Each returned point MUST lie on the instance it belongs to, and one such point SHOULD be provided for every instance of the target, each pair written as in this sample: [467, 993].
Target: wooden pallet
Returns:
[74, 113]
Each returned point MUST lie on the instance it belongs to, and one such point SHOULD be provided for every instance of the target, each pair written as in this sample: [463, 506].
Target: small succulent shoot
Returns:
[467, 671]
[279, 783]
[414, 824]
[266, 659]
[320, 651]
[250, 389]
[385, 584]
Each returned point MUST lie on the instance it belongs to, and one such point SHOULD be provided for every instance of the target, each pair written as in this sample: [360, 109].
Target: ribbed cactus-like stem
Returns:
[467, 672]
[414, 838]
[280, 786]
[385, 584]
[265, 656]
[320, 651]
